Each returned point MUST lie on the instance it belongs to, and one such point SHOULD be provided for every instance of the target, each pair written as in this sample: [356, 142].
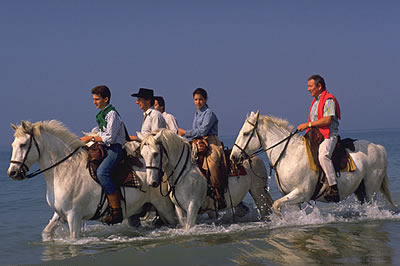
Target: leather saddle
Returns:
[123, 174]
[341, 159]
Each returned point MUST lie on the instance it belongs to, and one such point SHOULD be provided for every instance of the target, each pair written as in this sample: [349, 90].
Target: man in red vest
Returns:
[324, 115]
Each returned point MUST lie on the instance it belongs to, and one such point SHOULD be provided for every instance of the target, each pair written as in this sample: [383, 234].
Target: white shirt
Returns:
[152, 120]
[170, 120]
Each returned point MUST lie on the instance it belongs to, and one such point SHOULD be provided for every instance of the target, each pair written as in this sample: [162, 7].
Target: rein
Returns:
[24, 168]
[261, 150]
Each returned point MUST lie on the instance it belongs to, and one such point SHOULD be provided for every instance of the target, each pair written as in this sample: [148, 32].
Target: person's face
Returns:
[143, 103]
[158, 107]
[99, 101]
[199, 101]
[314, 90]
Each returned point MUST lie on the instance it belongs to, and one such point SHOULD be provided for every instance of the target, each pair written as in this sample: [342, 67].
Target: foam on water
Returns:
[347, 212]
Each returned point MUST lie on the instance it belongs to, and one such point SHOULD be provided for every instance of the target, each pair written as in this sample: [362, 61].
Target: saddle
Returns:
[123, 174]
[341, 159]
[233, 168]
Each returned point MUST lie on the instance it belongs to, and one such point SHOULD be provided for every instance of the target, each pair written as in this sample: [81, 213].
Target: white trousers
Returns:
[325, 154]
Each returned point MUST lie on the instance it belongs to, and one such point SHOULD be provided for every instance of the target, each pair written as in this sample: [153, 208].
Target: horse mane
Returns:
[279, 122]
[53, 127]
[169, 137]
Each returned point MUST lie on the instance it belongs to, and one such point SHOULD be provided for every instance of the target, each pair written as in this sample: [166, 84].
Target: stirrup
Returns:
[114, 216]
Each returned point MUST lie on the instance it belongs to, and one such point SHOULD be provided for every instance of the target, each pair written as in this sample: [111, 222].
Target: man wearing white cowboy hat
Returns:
[153, 119]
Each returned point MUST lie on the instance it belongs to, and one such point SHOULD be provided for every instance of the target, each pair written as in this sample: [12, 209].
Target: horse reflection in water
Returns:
[296, 181]
[326, 245]
[71, 191]
[167, 152]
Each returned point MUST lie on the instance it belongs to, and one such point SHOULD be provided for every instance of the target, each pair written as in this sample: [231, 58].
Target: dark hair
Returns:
[103, 91]
[200, 91]
[160, 101]
[318, 80]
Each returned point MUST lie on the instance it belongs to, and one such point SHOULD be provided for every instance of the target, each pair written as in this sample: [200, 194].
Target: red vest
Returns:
[325, 95]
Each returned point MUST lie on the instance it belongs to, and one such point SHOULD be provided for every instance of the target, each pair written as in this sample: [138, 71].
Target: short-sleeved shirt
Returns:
[152, 120]
[329, 110]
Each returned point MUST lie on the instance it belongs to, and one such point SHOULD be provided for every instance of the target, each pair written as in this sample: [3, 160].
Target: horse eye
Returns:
[246, 133]
[155, 154]
[22, 145]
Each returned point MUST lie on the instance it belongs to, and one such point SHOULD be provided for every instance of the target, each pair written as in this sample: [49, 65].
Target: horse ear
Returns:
[139, 135]
[24, 125]
[257, 114]
[157, 136]
[13, 126]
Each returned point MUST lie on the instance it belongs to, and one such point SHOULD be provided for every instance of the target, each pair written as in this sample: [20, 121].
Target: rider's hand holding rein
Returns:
[86, 139]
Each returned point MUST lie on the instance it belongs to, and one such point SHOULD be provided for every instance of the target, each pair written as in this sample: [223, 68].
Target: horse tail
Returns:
[385, 190]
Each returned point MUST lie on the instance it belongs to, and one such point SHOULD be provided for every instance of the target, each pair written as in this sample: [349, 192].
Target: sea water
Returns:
[342, 233]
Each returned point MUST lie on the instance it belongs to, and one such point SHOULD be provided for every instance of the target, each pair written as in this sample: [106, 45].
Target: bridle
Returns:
[159, 168]
[161, 173]
[23, 169]
[261, 149]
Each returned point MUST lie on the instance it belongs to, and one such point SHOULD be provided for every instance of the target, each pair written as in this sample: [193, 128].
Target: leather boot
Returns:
[114, 215]
[332, 193]
[221, 204]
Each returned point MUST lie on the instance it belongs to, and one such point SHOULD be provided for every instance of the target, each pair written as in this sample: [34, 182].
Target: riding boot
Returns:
[114, 215]
[332, 193]
[219, 194]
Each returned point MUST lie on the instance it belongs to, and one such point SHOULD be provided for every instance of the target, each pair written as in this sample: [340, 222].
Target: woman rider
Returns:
[205, 126]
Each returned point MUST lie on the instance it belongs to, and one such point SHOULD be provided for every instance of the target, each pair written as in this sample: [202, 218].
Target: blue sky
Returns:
[248, 55]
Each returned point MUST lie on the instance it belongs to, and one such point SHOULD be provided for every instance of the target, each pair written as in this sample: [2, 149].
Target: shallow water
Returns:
[344, 233]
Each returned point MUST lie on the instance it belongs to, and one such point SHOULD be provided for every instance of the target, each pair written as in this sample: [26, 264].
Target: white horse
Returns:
[167, 152]
[294, 178]
[71, 191]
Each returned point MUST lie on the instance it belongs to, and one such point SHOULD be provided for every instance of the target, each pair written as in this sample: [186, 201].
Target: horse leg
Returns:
[74, 225]
[294, 197]
[360, 192]
[49, 229]
[263, 200]
[181, 216]
[191, 215]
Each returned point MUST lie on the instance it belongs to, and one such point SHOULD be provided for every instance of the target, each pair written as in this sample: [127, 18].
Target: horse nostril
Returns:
[155, 184]
[12, 173]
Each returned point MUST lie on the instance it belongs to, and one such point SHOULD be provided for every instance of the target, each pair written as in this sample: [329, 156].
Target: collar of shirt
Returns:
[202, 109]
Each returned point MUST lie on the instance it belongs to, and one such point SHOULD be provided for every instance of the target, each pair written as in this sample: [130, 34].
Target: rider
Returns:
[205, 125]
[170, 120]
[324, 115]
[153, 119]
[111, 132]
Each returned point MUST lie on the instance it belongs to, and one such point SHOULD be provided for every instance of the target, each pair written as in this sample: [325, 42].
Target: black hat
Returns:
[144, 93]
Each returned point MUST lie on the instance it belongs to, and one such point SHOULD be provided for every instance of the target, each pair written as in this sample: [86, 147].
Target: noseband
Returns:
[23, 168]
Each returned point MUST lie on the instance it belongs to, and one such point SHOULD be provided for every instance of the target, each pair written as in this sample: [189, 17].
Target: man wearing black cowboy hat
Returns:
[153, 119]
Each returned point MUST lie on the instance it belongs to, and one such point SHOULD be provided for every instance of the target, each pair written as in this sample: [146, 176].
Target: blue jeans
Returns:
[112, 156]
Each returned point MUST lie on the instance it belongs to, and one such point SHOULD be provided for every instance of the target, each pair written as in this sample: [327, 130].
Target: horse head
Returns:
[25, 150]
[155, 157]
[247, 140]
